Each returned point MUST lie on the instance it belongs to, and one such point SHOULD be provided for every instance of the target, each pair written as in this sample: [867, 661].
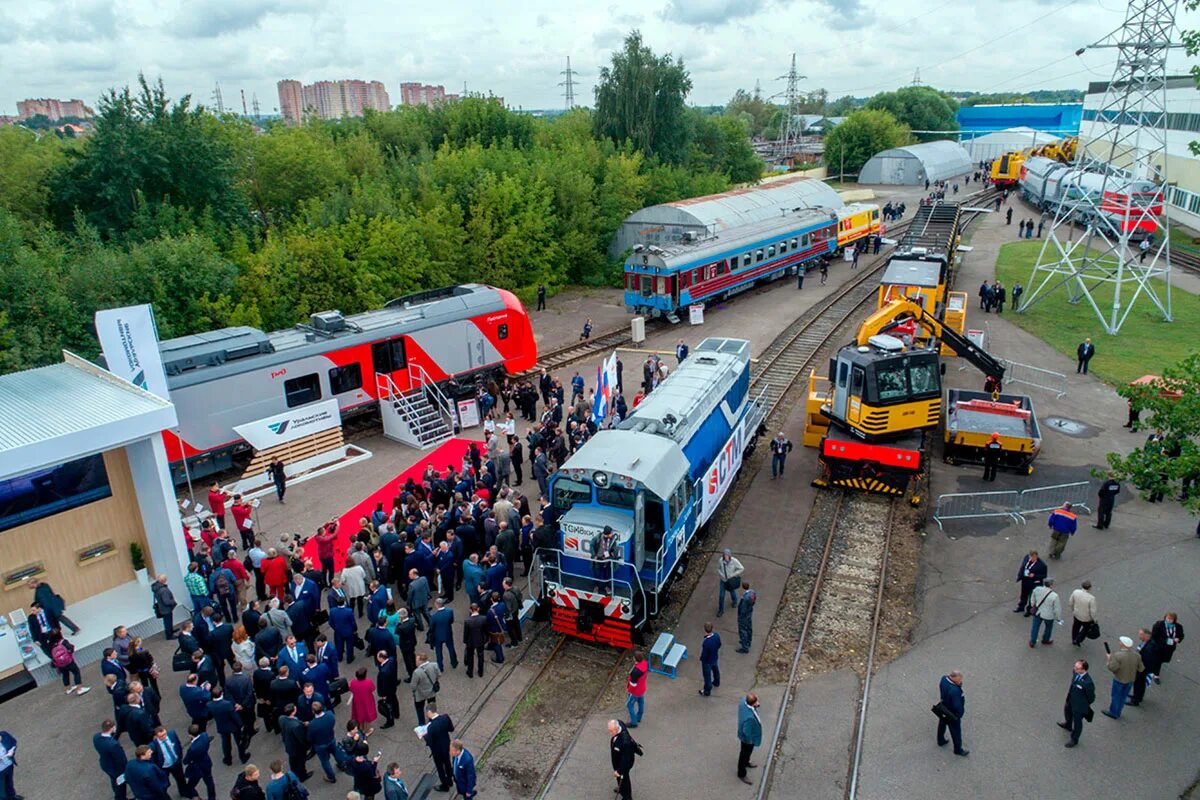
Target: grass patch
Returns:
[509, 728]
[1183, 239]
[1146, 344]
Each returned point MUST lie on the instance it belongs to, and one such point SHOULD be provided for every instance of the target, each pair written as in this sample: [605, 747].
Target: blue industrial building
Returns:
[1060, 119]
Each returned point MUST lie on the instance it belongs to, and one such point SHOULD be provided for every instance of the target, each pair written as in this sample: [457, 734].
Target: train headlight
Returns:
[551, 589]
[625, 607]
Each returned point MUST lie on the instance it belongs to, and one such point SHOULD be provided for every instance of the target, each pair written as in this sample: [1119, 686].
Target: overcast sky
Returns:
[79, 48]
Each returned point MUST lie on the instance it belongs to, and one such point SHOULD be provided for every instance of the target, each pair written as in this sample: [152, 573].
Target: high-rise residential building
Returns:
[291, 100]
[53, 109]
[419, 94]
[330, 99]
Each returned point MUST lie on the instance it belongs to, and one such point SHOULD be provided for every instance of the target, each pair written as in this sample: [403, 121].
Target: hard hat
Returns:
[995, 437]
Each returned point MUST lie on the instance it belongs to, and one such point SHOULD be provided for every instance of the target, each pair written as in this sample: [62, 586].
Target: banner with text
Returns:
[720, 475]
[291, 425]
[129, 342]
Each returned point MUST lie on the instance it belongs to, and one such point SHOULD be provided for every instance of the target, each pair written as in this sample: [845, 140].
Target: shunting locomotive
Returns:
[633, 499]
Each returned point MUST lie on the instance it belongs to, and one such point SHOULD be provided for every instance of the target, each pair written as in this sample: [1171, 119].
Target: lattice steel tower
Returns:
[1123, 196]
[789, 134]
[568, 84]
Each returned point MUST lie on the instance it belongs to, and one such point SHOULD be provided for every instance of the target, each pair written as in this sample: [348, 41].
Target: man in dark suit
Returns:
[406, 640]
[251, 616]
[475, 639]
[284, 690]
[380, 638]
[112, 757]
[437, 739]
[110, 666]
[149, 700]
[1078, 705]
[118, 690]
[710, 649]
[953, 700]
[1151, 664]
[197, 764]
[204, 667]
[464, 770]
[40, 628]
[1030, 575]
[228, 721]
[386, 685]
[195, 699]
[168, 754]
[345, 629]
[240, 689]
[307, 699]
[220, 645]
[132, 718]
[441, 632]
[322, 737]
[145, 779]
[295, 742]
[326, 655]
[1084, 354]
[293, 655]
[262, 679]
[623, 751]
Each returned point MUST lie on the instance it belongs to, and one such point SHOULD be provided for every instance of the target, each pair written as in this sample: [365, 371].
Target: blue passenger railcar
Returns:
[664, 281]
[654, 480]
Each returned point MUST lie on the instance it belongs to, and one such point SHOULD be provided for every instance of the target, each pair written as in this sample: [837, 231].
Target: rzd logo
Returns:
[278, 428]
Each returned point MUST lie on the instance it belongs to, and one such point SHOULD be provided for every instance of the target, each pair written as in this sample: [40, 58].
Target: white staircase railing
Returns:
[418, 378]
[409, 417]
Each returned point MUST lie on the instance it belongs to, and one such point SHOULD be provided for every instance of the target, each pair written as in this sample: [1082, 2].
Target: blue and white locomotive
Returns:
[654, 480]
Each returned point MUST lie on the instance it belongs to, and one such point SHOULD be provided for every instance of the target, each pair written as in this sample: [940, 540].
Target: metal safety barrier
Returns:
[980, 505]
[1050, 381]
[977, 505]
[1048, 498]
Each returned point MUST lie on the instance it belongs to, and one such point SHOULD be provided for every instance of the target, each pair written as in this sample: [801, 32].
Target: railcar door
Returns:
[841, 389]
[638, 549]
[858, 387]
[388, 358]
[476, 347]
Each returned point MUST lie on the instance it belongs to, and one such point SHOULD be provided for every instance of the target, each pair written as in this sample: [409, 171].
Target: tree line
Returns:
[216, 223]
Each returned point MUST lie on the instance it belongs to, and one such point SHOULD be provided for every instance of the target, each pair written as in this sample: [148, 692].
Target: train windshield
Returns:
[616, 496]
[904, 379]
[568, 492]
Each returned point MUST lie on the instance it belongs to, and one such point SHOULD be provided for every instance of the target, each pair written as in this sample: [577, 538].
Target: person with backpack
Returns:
[62, 656]
[284, 784]
[223, 586]
[636, 687]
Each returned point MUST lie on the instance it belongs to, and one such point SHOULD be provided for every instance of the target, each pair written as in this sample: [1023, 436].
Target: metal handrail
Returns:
[419, 378]
[558, 570]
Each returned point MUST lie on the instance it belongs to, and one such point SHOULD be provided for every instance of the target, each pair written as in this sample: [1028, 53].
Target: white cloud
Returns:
[80, 48]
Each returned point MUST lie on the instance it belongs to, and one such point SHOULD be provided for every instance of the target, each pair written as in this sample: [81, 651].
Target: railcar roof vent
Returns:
[328, 321]
[213, 348]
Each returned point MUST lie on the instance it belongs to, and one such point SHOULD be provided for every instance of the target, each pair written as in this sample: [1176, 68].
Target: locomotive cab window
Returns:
[502, 330]
[303, 390]
[568, 492]
[345, 379]
[387, 357]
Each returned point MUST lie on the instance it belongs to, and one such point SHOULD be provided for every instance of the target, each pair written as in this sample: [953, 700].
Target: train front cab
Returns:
[650, 288]
[610, 601]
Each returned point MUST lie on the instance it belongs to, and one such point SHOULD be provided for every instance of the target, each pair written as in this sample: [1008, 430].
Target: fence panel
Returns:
[1048, 498]
[976, 505]
[1016, 372]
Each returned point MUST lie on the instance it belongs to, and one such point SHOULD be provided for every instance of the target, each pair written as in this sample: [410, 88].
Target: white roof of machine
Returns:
[912, 273]
[65, 411]
[745, 205]
[655, 461]
[683, 393]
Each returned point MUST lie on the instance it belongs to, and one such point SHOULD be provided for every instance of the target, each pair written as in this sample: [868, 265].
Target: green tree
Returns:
[722, 144]
[921, 108]
[640, 98]
[751, 104]
[146, 150]
[861, 135]
[26, 164]
[1171, 406]
[841, 107]
[287, 166]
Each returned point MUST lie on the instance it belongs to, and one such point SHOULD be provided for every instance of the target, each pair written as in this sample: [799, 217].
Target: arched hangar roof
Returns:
[916, 163]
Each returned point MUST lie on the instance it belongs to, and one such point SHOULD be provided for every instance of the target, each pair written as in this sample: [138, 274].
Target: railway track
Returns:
[1187, 260]
[852, 534]
[853, 559]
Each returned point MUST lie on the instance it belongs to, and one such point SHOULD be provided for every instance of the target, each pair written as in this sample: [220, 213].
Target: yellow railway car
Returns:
[855, 221]
[1006, 170]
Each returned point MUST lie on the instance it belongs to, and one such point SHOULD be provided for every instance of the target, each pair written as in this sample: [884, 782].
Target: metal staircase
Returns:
[420, 417]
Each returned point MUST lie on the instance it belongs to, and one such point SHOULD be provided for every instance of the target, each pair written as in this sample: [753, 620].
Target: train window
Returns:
[662, 286]
[616, 496]
[695, 276]
[388, 356]
[805, 240]
[783, 247]
[720, 267]
[771, 251]
[857, 379]
[843, 371]
[568, 492]
[758, 256]
[891, 383]
[923, 377]
[502, 330]
[647, 286]
[746, 260]
[345, 379]
[302, 390]
[795, 244]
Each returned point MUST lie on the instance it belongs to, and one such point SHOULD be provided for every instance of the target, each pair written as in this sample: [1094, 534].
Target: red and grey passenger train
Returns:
[233, 376]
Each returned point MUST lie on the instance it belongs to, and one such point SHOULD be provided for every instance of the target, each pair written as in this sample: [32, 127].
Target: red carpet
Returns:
[449, 453]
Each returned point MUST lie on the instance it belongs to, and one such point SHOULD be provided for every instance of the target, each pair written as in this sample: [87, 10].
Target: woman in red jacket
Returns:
[275, 573]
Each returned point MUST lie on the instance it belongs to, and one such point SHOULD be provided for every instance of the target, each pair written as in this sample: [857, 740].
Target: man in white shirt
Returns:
[1082, 605]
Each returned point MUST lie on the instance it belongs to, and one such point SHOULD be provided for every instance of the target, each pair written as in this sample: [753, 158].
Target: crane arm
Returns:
[891, 314]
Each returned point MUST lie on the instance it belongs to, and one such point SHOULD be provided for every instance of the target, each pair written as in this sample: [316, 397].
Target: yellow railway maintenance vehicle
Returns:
[1007, 169]
[869, 416]
[972, 418]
